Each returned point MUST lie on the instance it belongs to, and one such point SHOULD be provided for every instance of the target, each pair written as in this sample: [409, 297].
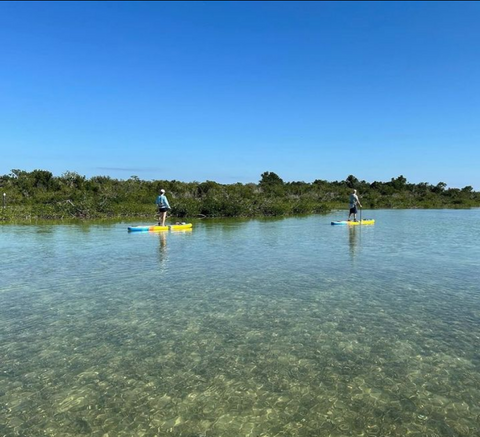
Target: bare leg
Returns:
[163, 216]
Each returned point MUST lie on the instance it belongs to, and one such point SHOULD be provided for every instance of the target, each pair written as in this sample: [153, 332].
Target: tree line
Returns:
[41, 195]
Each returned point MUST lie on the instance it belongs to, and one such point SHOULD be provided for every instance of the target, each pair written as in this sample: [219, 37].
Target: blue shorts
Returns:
[353, 210]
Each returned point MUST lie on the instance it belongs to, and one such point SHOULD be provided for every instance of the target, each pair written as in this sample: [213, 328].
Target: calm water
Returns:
[243, 328]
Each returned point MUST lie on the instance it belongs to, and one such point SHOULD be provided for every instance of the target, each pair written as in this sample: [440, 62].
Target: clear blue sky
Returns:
[227, 90]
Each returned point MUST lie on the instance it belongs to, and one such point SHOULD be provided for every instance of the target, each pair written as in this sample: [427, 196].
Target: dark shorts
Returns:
[162, 209]
[353, 210]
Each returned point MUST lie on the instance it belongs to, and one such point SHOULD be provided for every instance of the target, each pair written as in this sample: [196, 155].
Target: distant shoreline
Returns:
[38, 195]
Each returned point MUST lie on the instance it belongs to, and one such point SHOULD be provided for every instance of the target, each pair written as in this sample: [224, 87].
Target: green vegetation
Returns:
[40, 195]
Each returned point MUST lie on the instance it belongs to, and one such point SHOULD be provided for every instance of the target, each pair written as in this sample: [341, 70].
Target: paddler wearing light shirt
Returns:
[163, 206]
[354, 201]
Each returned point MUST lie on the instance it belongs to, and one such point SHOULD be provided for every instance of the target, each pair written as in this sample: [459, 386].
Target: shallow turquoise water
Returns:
[243, 328]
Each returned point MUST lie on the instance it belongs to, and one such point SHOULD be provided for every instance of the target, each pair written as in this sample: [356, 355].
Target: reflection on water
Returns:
[162, 253]
[352, 239]
[256, 328]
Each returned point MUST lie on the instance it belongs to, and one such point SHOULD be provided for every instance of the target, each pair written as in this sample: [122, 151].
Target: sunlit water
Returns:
[253, 328]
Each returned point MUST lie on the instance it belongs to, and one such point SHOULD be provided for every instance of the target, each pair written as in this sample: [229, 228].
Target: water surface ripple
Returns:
[251, 328]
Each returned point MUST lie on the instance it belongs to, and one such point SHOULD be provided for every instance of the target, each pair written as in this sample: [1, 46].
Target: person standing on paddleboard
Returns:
[163, 207]
[354, 201]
